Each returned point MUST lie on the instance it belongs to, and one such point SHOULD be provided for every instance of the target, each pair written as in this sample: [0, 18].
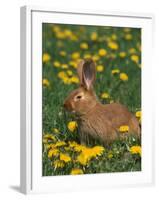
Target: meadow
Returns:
[117, 53]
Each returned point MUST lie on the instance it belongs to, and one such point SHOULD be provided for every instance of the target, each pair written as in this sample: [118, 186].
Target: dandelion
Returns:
[110, 155]
[60, 144]
[47, 137]
[138, 114]
[72, 143]
[76, 171]
[46, 82]
[69, 72]
[55, 130]
[135, 58]
[105, 95]
[84, 45]
[128, 36]
[79, 147]
[122, 54]
[124, 77]
[115, 71]
[58, 164]
[55, 28]
[62, 74]
[53, 152]
[97, 151]
[46, 57]
[73, 64]
[135, 150]
[102, 52]
[126, 30]
[95, 57]
[56, 64]
[60, 35]
[65, 157]
[113, 45]
[123, 128]
[100, 68]
[132, 50]
[75, 55]
[72, 126]
[114, 36]
[64, 66]
[63, 53]
[74, 79]
[94, 36]
[88, 153]
[68, 32]
[87, 55]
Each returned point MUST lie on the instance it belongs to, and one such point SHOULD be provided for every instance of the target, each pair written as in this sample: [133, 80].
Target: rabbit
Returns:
[100, 121]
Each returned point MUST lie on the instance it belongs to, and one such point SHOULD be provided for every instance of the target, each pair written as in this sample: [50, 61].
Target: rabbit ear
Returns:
[79, 71]
[88, 73]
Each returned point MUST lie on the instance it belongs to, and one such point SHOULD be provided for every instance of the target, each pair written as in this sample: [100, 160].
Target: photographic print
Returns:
[91, 99]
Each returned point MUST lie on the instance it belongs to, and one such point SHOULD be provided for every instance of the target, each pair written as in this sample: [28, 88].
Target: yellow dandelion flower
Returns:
[138, 114]
[115, 71]
[62, 74]
[62, 53]
[97, 151]
[79, 147]
[56, 64]
[135, 150]
[123, 128]
[76, 171]
[94, 36]
[73, 64]
[60, 144]
[132, 50]
[53, 152]
[110, 155]
[113, 45]
[46, 82]
[87, 55]
[84, 45]
[124, 76]
[64, 66]
[99, 68]
[55, 130]
[75, 55]
[122, 54]
[48, 137]
[69, 72]
[68, 32]
[58, 164]
[46, 57]
[83, 159]
[66, 80]
[126, 30]
[128, 36]
[72, 126]
[74, 79]
[60, 35]
[55, 28]
[114, 36]
[95, 57]
[135, 58]
[102, 52]
[72, 143]
[105, 95]
[64, 157]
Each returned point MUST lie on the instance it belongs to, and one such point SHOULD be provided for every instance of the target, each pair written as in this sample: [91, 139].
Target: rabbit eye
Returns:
[79, 97]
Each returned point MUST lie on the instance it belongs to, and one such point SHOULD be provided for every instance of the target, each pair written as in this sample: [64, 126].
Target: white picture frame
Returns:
[31, 99]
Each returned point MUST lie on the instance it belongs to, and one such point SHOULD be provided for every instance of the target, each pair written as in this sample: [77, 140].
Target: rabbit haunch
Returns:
[95, 119]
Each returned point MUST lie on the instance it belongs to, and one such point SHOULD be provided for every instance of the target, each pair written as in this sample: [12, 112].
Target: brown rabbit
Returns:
[95, 119]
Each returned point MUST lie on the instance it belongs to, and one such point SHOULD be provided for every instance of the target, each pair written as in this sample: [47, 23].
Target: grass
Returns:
[63, 46]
